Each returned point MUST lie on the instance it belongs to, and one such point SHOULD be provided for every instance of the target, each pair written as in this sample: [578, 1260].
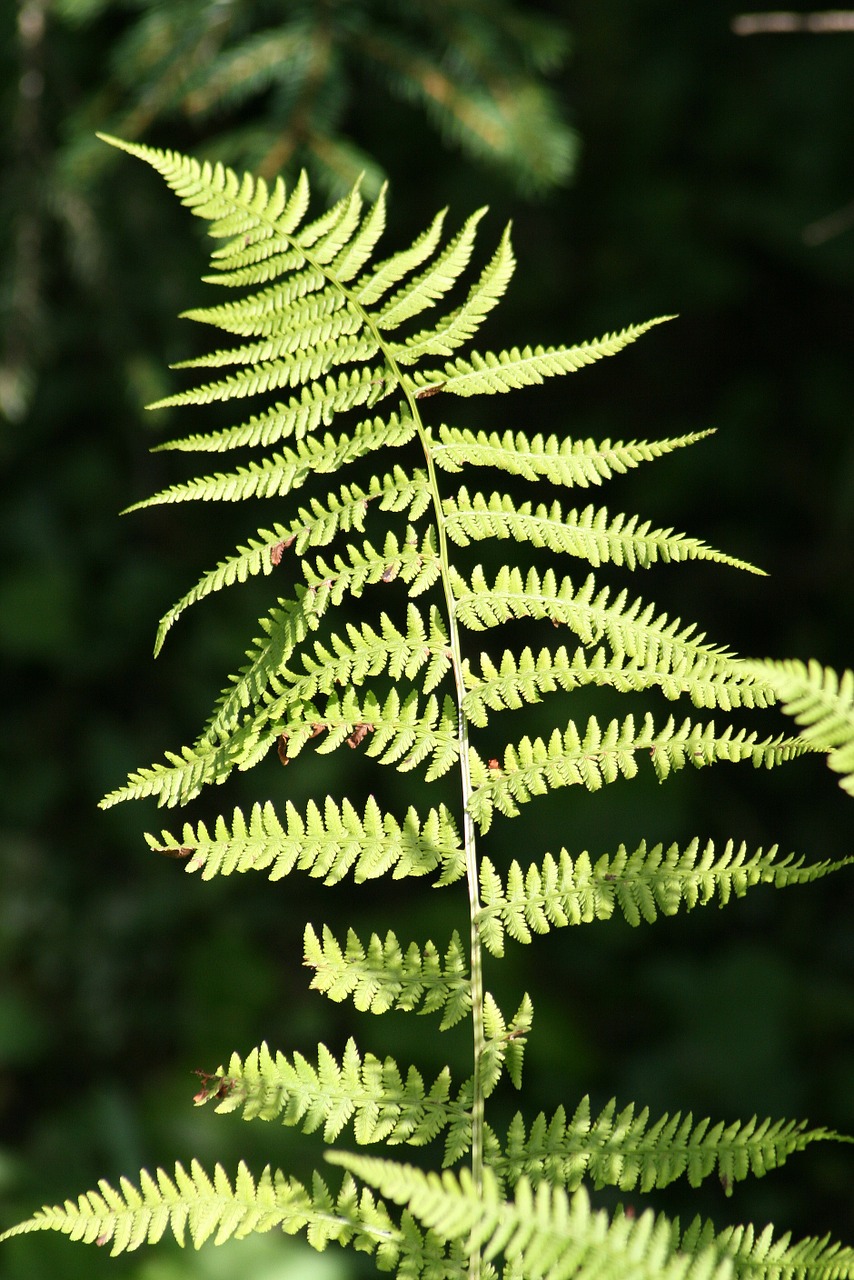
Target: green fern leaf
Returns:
[588, 534]
[641, 885]
[822, 702]
[434, 282]
[190, 1203]
[535, 767]
[623, 1149]
[328, 845]
[560, 461]
[514, 369]
[372, 1094]
[541, 1232]
[753, 1253]
[312, 527]
[525, 679]
[380, 976]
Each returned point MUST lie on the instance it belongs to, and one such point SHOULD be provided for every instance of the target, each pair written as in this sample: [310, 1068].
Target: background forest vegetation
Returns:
[652, 162]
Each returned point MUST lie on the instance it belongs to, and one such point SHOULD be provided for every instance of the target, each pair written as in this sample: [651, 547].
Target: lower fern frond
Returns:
[756, 1255]
[190, 1203]
[624, 1150]
[541, 1233]
[328, 845]
[643, 885]
[382, 1105]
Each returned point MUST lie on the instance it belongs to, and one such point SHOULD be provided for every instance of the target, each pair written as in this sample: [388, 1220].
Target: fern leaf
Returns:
[372, 1094]
[311, 527]
[304, 366]
[281, 473]
[461, 325]
[588, 534]
[524, 679]
[511, 370]
[381, 976]
[317, 405]
[278, 309]
[623, 1149]
[599, 757]
[822, 703]
[641, 885]
[542, 1232]
[190, 1203]
[758, 1254]
[321, 321]
[559, 460]
[434, 282]
[631, 629]
[328, 844]
[385, 275]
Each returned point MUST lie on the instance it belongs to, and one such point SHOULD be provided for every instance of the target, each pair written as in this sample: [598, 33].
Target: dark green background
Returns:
[703, 159]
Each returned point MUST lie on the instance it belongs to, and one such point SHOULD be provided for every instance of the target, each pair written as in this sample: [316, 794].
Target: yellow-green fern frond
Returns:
[373, 1095]
[624, 1149]
[602, 756]
[563, 461]
[314, 526]
[526, 678]
[511, 370]
[193, 1205]
[327, 844]
[642, 885]
[757, 1255]
[589, 534]
[542, 1231]
[505, 1042]
[822, 703]
[381, 975]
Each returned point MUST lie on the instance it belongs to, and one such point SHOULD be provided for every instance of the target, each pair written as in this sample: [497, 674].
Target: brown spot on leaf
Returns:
[359, 734]
[282, 748]
[429, 391]
[280, 548]
[172, 852]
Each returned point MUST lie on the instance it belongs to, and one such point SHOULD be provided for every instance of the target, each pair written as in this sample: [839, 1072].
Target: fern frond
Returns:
[434, 282]
[381, 976]
[461, 325]
[385, 275]
[317, 405]
[641, 885]
[822, 703]
[282, 473]
[305, 366]
[321, 319]
[313, 527]
[559, 460]
[756, 1255]
[328, 844]
[191, 1203]
[514, 369]
[623, 1149]
[630, 628]
[589, 534]
[372, 1094]
[235, 206]
[542, 1232]
[280, 308]
[505, 1042]
[535, 767]
[524, 679]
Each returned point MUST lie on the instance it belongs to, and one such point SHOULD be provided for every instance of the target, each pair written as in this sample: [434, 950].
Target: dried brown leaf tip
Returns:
[282, 748]
[429, 391]
[280, 548]
[173, 852]
[359, 734]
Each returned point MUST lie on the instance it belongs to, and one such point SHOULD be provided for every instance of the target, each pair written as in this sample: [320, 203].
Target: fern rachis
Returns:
[343, 336]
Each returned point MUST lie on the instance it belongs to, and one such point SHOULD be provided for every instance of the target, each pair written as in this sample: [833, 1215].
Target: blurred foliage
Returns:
[705, 159]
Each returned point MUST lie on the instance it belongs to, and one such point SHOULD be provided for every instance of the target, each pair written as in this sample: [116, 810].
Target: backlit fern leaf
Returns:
[382, 1104]
[312, 527]
[640, 885]
[589, 534]
[536, 767]
[757, 1255]
[514, 369]
[525, 679]
[822, 703]
[542, 1232]
[281, 473]
[190, 1203]
[381, 976]
[623, 1149]
[567, 462]
[328, 844]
